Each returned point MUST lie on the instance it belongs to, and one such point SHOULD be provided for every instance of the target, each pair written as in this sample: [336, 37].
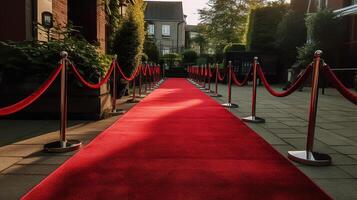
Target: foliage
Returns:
[39, 58]
[201, 41]
[189, 57]
[262, 27]
[170, 59]
[306, 53]
[205, 59]
[113, 18]
[129, 39]
[144, 57]
[325, 31]
[151, 50]
[290, 34]
[234, 47]
[224, 21]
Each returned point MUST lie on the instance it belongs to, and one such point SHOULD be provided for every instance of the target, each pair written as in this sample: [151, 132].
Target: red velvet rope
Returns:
[330, 75]
[220, 78]
[291, 89]
[210, 72]
[33, 97]
[145, 69]
[245, 80]
[132, 75]
[90, 85]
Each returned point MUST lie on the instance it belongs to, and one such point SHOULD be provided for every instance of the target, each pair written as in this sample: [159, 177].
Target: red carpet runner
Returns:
[178, 143]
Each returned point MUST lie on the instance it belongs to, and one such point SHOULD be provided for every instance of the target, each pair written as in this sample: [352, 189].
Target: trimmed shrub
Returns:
[234, 47]
[290, 34]
[151, 50]
[262, 26]
[128, 43]
[189, 57]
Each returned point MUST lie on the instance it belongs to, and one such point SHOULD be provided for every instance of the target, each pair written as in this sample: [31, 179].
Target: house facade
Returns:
[18, 19]
[166, 25]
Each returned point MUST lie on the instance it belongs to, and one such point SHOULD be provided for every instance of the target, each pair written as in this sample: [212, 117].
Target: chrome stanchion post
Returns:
[230, 104]
[308, 156]
[209, 78]
[140, 82]
[63, 145]
[115, 111]
[216, 83]
[134, 100]
[253, 118]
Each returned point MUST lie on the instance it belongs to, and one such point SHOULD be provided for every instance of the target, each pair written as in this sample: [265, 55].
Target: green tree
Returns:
[290, 34]
[326, 33]
[189, 57]
[224, 21]
[151, 50]
[128, 43]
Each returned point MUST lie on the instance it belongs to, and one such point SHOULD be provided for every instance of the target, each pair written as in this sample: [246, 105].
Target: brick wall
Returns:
[59, 9]
[101, 24]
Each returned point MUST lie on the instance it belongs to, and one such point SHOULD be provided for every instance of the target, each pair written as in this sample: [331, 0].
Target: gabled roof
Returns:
[164, 11]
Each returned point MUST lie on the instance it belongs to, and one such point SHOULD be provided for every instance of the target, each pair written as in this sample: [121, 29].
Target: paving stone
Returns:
[30, 169]
[19, 150]
[6, 162]
[340, 159]
[331, 172]
[291, 136]
[339, 189]
[48, 159]
[350, 169]
[346, 149]
[14, 186]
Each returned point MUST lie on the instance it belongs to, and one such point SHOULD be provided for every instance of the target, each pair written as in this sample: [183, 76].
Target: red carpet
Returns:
[178, 143]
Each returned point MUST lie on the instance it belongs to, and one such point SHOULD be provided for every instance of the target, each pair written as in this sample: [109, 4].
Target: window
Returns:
[151, 29]
[165, 50]
[166, 30]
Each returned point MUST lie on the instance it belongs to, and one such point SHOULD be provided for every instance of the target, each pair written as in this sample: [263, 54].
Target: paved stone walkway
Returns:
[23, 164]
[286, 129]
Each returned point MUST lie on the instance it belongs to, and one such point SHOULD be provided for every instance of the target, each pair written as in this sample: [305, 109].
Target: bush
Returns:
[234, 47]
[170, 59]
[37, 59]
[189, 57]
[326, 33]
[290, 34]
[151, 50]
[129, 39]
[262, 26]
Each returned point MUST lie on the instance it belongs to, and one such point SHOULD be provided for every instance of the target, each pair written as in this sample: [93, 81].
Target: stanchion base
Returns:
[56, 147]
[208, 91]
[133, 101]
[230, 105]
[117, 112]
[216, 95]
[253, 119]
[310, 158]
[141, 96]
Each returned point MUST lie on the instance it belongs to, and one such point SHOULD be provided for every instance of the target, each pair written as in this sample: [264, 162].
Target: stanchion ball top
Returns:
[230, 62]
[115, 56]
[256, 58]
[318, 53]
[64, 54]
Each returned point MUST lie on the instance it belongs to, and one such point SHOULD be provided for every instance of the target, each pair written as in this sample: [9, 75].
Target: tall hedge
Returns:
[262, 26]
[291, 33]
[129, 39]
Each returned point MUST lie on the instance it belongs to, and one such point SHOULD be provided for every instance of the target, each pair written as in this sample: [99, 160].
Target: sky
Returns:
[190, 9]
